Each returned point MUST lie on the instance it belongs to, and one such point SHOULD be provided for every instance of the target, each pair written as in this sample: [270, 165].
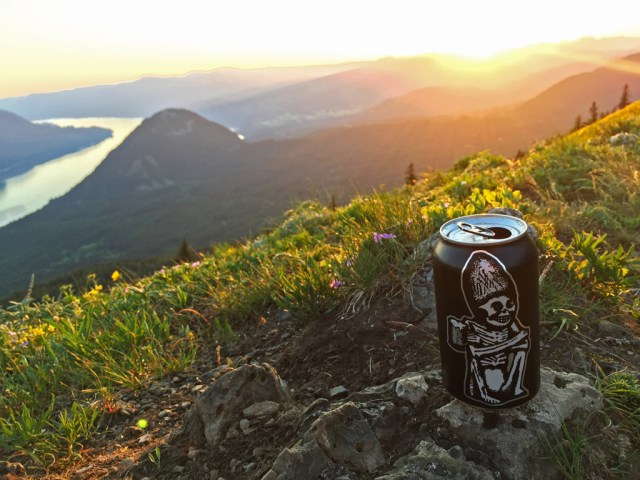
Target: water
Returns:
[26, 193]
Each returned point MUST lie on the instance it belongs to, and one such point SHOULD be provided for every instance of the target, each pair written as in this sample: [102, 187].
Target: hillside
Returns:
[574, 95]
[177, 168]
[23, 144]
[339, 303]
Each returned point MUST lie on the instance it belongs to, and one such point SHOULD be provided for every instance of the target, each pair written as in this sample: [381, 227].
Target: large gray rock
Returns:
[428, 461]
[221, 406]
[513, 437]
[341, 435]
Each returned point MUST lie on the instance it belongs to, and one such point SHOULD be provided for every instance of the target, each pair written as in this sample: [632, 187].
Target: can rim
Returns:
[518, 226]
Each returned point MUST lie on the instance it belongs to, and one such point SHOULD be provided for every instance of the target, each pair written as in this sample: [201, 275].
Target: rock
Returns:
[412, 387]
[421, 295]
[512, 437]
[303, 460]
[341, 435]
[224, 403]
[338, 392]
[261, 409]
[428, 461]
[623, 138]
[346, 438]
[127, 463]
[12, 470]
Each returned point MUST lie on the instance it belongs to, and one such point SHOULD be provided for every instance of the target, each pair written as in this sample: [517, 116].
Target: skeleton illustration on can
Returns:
[493, 339]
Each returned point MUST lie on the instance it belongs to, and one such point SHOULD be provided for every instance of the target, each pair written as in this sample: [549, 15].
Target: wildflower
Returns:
[378, 237]
[336, 283]
[195, 264]
[350, 262]
[115, 276]
[24, 344]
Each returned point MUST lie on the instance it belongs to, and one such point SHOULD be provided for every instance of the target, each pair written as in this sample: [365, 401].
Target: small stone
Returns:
[261, 409]
[244, 424]
[178, 469]
[144, 438]
[412, 387]
[194, 452]
[249, 466]
[338, 392]
[163, 413]
[198, 388]
[127, 463]
[258, 451]
[83, 470]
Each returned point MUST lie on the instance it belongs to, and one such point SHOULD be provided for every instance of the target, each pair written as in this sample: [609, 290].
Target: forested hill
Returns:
[25, 144]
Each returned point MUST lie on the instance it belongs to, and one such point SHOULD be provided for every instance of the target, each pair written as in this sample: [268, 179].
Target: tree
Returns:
[332, 203]
[578, 123]
[594, 112]
[410, 177]
[186, 253]
[624, 99]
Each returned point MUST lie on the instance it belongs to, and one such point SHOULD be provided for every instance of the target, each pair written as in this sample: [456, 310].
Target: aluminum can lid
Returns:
[483, 229]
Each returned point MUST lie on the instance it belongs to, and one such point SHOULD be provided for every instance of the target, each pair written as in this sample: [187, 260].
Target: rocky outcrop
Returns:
[388, 432]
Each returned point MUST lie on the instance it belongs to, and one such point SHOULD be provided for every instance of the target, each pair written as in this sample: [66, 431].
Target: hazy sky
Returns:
[50, 45]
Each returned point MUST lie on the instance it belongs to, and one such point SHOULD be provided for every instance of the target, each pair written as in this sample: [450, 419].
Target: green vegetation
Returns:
[62, 358]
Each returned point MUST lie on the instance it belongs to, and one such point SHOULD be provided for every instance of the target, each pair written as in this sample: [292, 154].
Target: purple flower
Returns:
[24, 344]
[350, 261]
[336, 283]
[378, 237]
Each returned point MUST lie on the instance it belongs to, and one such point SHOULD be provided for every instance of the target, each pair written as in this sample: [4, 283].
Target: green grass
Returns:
[64, 356]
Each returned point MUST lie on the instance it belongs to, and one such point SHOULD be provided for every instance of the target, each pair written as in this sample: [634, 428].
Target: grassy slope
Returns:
[61, 359]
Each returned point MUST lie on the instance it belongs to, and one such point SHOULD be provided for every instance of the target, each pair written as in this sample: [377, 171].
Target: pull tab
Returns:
[476, 230]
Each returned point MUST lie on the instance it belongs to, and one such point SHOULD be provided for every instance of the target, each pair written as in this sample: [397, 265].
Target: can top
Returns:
[483, 229]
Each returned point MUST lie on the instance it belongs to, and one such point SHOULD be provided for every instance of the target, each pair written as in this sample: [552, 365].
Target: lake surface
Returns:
[26, 193]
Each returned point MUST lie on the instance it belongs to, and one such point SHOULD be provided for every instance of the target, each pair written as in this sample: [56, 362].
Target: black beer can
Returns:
[485, 271]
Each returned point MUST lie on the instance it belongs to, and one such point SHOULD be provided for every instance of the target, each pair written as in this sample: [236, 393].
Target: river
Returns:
[26, 193]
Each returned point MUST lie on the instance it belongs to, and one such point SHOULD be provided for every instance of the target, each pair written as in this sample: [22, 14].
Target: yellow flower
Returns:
[115, 275]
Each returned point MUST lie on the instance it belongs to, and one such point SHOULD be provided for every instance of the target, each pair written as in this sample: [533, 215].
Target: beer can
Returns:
[487, 300]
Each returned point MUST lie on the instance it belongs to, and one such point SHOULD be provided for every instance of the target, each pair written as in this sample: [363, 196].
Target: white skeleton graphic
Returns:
[493, 340]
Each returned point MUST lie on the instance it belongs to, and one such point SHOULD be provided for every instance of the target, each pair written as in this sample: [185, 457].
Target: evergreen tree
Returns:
[186, 253]
[578, 123]
[410, 177]
[594, 112]
[332, 203]
[624, 99]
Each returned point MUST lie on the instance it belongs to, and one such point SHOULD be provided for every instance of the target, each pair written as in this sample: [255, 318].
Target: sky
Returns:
[48, 45]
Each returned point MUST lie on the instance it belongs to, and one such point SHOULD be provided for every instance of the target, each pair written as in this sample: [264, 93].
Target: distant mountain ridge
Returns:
[148, 95]
[23, 144]
[292, 101]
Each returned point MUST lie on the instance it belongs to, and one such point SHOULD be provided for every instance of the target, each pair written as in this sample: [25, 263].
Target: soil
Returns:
[371, 348]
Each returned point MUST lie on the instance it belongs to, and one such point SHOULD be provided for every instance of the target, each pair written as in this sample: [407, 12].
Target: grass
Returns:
[62, 357]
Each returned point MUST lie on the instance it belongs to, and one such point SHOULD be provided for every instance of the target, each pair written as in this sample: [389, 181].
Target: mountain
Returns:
[290, 101]
[23, 144]
[148, 95]
[432, 85]
[573, 96]
[180, 176]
